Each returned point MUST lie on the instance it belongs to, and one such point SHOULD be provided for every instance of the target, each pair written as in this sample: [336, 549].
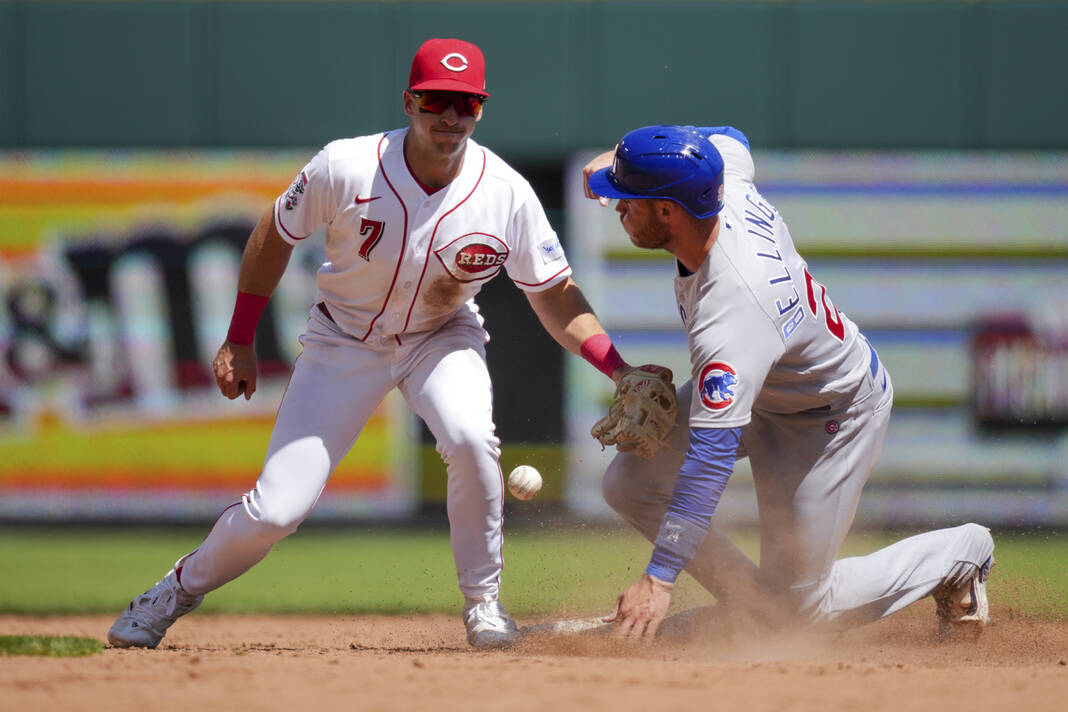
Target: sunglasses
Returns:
[436, 102]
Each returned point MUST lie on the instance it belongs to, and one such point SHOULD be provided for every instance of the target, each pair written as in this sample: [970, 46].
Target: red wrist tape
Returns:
[600, 352]
[247, 312]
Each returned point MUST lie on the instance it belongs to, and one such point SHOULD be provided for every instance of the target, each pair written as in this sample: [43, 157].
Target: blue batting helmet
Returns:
[676, 163]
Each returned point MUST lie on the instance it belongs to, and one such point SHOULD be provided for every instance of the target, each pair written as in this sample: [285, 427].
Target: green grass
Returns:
[53, 646]
[377, 570]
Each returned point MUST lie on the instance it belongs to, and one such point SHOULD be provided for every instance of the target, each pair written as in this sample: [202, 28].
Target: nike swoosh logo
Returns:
[361, 201]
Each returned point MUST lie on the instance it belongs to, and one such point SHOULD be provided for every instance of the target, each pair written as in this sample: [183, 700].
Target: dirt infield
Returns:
[307, 664]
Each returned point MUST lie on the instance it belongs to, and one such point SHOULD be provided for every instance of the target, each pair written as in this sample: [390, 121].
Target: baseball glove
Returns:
[642, 412]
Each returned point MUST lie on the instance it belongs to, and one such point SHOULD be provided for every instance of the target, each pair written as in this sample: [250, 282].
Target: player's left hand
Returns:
[643, 411]
[641, 608]
[602, 161]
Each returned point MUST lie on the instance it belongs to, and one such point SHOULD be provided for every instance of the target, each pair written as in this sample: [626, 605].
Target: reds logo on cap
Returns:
[449, 65]
[454, 62]
[717, 382]
[474, 256]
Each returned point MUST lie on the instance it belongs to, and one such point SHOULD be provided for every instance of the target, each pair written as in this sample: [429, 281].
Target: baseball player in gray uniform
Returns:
[778, 375]
[417, 220]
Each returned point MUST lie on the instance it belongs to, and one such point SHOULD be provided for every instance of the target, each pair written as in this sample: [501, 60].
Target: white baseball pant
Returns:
[336, 384]
[808, 483]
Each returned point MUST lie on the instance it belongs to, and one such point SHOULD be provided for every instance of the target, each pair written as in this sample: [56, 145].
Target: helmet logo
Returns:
[454, 62]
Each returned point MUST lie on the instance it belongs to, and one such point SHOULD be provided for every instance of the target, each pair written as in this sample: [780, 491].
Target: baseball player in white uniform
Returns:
[417, 220]
[778, 375]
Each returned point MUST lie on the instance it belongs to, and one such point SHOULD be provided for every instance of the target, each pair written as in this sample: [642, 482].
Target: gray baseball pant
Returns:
[808, 483]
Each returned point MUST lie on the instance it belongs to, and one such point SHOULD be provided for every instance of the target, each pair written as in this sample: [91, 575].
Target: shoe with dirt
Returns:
[146, 620]
[488, 624]
[965, 608]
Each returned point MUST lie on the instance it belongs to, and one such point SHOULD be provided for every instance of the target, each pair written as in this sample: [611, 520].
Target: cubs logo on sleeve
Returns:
[718, 380]
[474, 256]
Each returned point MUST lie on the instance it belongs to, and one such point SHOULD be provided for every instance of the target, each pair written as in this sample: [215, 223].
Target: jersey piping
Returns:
[278, 218]
[433, 236]
[544, 281]
[404, 241]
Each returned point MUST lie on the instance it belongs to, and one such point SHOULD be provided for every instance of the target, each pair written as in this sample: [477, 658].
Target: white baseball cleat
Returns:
[488, 624]
[146, 620]
[965, 608]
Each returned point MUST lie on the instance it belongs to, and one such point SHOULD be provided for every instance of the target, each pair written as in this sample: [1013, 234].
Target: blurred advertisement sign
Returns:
[1021, 375]
[117, 277]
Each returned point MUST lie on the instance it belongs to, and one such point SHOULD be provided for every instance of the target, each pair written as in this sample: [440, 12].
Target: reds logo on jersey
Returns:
[474, 256]
[717, 381]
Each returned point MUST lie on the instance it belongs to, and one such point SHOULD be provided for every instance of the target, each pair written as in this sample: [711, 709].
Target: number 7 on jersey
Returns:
[372, 230]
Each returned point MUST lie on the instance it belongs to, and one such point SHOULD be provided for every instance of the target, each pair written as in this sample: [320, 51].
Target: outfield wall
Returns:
[564, 75]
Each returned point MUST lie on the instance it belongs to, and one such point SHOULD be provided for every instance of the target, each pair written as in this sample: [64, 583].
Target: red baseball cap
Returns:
[449, 65]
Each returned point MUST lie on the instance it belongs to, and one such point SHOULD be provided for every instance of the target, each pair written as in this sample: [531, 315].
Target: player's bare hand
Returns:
[602, 161]
[235, 369]
[641, 608]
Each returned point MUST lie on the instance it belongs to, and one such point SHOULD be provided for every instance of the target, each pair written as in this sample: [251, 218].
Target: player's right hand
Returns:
[602, 161]
[235, 369]
[641, 608]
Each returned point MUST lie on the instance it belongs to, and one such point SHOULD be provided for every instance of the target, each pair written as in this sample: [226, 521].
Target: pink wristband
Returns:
[247, 312]
[600, 352]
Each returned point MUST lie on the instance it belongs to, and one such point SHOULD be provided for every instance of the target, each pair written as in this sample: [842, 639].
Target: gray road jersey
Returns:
[763, 334]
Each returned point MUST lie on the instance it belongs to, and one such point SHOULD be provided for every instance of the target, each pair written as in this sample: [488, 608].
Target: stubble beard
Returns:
[654, 236]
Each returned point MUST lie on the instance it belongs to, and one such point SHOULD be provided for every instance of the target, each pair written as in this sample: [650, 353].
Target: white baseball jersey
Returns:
[763, 334]
[402, 261]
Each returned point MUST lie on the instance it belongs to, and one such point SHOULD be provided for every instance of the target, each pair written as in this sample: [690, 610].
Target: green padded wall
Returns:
[564, 75]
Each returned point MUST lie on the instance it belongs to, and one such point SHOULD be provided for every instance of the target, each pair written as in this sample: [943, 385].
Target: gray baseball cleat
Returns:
[964, 608]
[488, 624]
[146, 620]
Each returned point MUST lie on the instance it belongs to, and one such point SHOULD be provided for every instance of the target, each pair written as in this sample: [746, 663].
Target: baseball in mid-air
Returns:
[524, 482]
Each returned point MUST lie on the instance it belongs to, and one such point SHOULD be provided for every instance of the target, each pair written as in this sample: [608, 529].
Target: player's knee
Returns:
[280, 522]
[465, 447]
[275, 517]
[287, 490]
[978, 532]
[977, 539]
[813, 604]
